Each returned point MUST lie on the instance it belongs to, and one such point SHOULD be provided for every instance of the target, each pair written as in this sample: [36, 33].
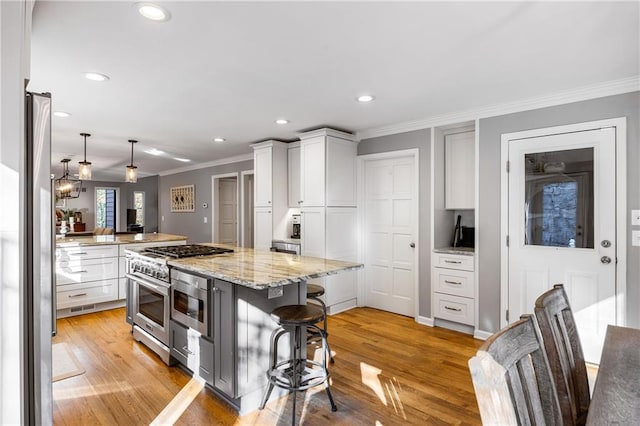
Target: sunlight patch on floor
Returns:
[179, 403]
[89, 390]
[387, 389]
[370, 378]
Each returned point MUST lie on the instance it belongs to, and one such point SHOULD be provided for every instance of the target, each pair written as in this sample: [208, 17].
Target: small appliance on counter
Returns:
[296, 226]
[463, 236]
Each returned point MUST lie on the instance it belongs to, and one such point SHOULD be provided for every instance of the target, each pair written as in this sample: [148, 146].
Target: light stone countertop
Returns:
[95, 240]
[465, 251]
[261, 269]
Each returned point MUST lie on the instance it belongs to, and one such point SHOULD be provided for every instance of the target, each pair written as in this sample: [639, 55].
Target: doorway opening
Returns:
[246, 208]
[107, 202]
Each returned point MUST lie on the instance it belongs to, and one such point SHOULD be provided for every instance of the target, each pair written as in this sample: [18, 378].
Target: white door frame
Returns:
[243, 178]
[620, 125]
[214, 205]
[361, 159]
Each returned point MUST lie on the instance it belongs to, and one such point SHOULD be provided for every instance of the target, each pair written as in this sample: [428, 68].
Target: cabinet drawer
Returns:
[453, 261]
[451, 281]
[83, 294]
[454, 308]
[79, 271]
[86, 252]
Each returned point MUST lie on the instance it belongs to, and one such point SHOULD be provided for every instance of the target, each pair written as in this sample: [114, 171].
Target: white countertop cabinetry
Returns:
[454, 289]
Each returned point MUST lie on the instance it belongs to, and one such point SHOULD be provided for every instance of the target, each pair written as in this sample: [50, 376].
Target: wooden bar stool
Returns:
[314, 292]
[297, 373]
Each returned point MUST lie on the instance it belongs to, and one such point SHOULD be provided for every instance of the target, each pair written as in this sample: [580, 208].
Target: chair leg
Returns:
[293, 415]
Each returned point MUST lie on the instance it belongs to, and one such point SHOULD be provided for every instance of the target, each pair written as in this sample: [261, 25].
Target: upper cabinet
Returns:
[459, 171]
[327, 169]
[271, 194]
[294, 174]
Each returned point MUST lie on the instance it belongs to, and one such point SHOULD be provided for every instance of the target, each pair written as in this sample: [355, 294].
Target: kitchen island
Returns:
[90, 270]
[247, 285]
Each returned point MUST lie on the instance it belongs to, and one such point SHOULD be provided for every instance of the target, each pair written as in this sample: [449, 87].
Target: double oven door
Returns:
[151, 307]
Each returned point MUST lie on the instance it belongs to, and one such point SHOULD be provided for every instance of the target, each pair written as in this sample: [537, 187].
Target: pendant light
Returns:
[131, 175]
[84, 167]
[67, 186]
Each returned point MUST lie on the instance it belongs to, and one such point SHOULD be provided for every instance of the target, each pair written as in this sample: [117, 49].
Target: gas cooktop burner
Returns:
[188, 250]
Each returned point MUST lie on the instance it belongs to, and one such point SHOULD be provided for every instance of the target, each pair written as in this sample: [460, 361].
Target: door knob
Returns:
[412, 245]
[605, 259]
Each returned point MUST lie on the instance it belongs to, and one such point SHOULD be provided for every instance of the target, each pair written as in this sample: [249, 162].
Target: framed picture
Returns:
[183, 198]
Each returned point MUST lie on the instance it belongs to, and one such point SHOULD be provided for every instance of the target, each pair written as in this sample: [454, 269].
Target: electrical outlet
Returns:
[635, 238]
[275, 292]
[635, 217]
[205, 219]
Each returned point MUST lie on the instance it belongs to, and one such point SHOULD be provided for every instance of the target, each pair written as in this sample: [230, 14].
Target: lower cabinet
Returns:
[211, 357]
[454, 289]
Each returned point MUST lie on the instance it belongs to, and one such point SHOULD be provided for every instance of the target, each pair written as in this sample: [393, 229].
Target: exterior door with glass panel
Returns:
[562, 227]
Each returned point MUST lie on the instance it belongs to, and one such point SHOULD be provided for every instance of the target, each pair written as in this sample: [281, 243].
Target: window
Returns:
[106, 207]
[138, 205]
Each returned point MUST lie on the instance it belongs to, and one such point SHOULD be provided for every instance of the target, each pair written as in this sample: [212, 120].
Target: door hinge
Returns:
[508, 166]
[507, 315]
[507, 241]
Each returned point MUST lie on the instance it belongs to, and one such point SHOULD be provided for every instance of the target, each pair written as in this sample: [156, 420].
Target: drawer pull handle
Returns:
[453, 282]
[80, 253]
[449, 308]
[78, 295]
[184, 348]
[149, 327]
[457, 262]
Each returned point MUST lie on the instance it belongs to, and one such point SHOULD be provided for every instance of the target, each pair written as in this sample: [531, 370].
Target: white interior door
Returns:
[227, 211]
[389, 215]
[562, 227]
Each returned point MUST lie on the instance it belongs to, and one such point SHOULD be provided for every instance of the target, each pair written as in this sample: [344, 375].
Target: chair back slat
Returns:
[564, 352]
[512, 378]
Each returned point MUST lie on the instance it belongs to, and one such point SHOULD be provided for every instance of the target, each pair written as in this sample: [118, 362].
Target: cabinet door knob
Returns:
[412, 245]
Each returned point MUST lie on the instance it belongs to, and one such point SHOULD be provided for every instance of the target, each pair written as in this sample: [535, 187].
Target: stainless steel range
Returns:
[149, 291]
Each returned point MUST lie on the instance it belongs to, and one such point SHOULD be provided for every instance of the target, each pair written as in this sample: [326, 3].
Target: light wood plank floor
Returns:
[388, 370]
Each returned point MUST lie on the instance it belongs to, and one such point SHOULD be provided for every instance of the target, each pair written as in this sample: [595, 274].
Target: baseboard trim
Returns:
[341, 307]
[481, 334]
[425, 321]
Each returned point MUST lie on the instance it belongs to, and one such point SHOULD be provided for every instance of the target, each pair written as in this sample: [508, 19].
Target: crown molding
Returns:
[609, 88]
[326, 131]
[228, 160]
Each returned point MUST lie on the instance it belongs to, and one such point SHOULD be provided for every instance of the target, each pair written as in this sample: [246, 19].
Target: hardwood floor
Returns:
[388, 370]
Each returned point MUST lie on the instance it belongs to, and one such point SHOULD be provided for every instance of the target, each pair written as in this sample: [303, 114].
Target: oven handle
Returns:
[159, 288]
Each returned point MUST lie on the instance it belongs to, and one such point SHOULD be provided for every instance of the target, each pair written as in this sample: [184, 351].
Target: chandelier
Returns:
[67, 186]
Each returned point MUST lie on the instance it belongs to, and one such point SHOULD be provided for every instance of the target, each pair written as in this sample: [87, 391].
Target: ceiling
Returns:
[229, 69]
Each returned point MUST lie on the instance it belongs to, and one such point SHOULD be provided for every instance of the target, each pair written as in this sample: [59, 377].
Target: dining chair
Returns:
[564, 352]
[512, 378]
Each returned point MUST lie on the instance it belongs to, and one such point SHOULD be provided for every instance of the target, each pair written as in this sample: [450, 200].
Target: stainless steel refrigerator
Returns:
[39, 251]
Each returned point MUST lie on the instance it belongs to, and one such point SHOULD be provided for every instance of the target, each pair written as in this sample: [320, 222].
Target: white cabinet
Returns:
[85, 276]
[312, 231]
[460, 170]
[263, 172]
[454, 289]
[263, 228]
[312, 169]
[271, 192]
[328, 208]
[327, 169]
[293, 178]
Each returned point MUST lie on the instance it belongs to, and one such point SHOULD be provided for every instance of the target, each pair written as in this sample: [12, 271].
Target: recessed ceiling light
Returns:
[365, 98]
[154, 151]
[282, 121]
[184, 160]
[95, 76]
[219, 139]
[61, 114]
[153, 12]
